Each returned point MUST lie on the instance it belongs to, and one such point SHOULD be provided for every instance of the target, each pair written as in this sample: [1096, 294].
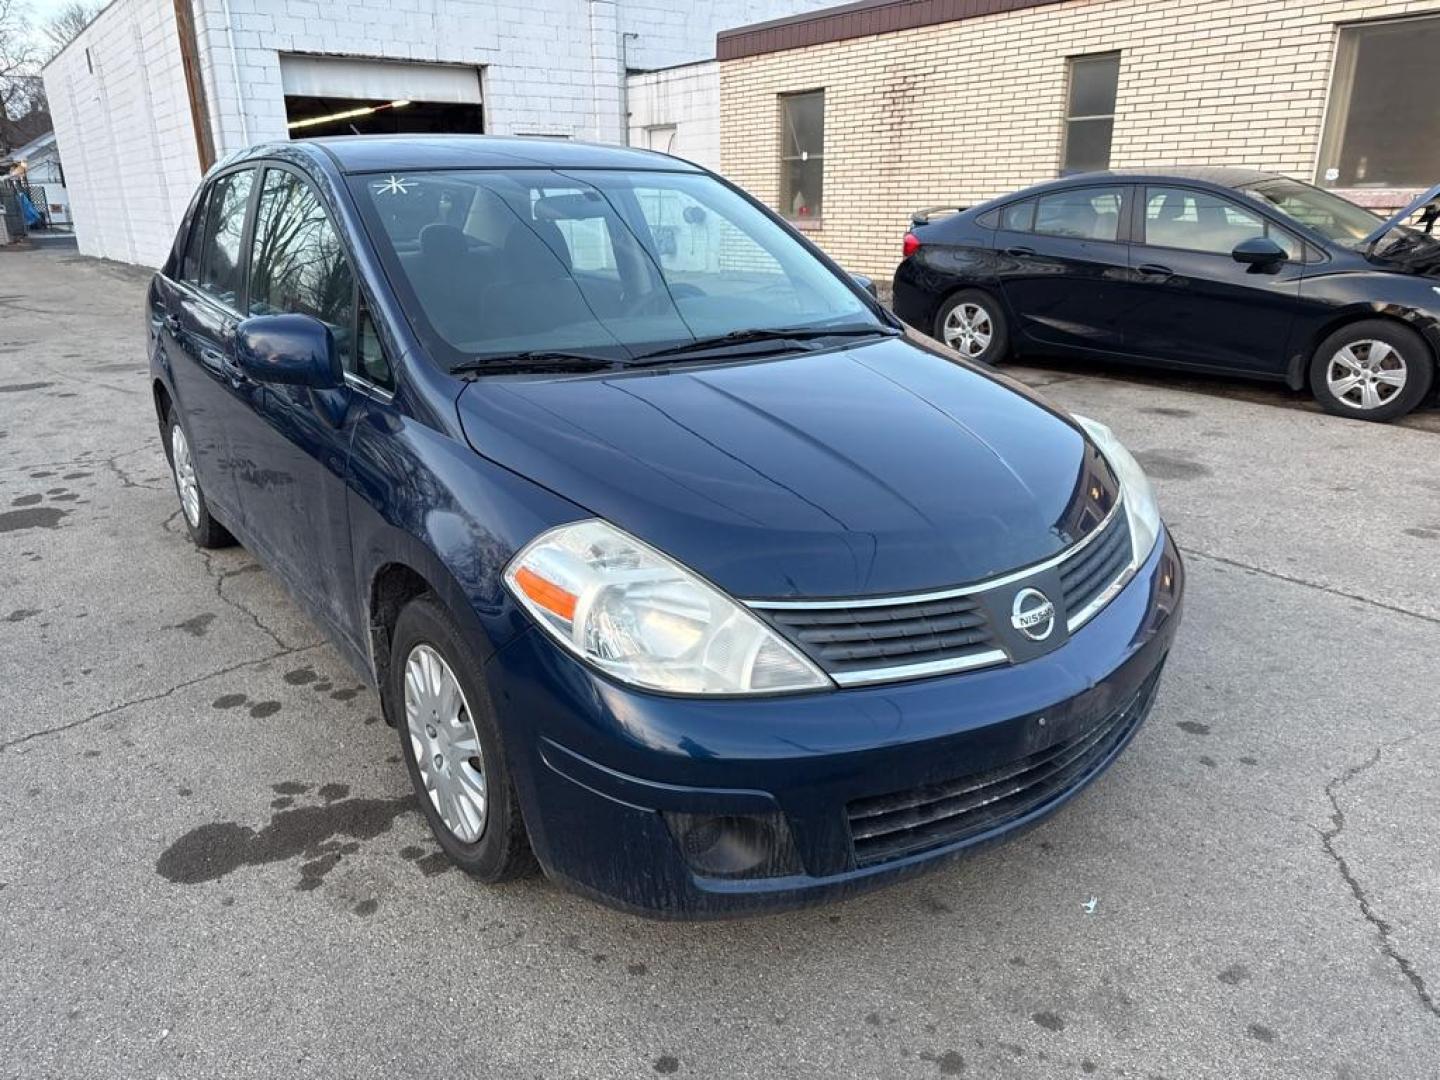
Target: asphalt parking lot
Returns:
[1253, 890]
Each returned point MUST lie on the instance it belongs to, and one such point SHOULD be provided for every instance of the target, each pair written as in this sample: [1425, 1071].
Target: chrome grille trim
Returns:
[944, 594]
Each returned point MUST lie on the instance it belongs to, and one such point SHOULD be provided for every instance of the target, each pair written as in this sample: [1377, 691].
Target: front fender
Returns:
[425, 501]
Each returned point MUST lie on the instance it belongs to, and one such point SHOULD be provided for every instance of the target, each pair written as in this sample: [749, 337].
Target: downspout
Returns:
[235, 73]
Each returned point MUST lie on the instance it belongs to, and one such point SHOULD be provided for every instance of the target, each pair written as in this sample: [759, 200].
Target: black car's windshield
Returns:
[618, 264]
[1332, 217]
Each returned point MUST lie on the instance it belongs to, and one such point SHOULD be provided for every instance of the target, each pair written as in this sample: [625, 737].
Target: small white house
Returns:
[38, 162]
[153, 91]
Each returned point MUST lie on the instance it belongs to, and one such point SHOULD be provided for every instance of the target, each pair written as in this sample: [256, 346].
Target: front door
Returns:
[1063, 261]
[1193, 303]
[199, 336]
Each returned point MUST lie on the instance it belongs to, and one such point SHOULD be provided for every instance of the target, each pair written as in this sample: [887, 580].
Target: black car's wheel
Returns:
[972, 324]
[452, 746]
[1371, 370]
[203, 529]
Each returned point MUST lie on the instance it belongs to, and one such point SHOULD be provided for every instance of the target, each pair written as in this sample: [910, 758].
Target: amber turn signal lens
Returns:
[547, 594]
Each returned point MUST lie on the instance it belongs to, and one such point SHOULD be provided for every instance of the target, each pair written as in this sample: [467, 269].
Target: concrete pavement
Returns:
[209, 866]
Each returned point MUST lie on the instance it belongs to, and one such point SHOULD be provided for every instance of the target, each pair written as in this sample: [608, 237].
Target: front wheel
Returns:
[204, 530]
[1371, 370]
[972, 324]
[452, 746]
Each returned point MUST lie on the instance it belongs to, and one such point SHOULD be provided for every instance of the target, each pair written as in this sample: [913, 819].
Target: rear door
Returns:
[200, 329]
[1193, 303]
[1062, 260]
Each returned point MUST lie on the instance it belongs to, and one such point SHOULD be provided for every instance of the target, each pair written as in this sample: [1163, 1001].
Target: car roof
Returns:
[1218, 175]
[377, 153]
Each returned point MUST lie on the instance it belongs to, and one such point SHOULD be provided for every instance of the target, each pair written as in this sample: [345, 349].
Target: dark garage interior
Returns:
[313, 117]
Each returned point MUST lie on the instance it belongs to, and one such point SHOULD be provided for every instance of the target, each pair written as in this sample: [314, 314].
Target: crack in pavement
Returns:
[1341, 593]
[1382, 927]
[148, 698]
[112, 463]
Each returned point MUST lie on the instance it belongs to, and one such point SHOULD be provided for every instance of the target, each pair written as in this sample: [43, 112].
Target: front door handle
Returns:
[1155, 270]
[1019, 252]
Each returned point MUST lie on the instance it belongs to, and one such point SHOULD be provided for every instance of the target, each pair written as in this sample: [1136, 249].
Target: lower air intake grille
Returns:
[889, 827]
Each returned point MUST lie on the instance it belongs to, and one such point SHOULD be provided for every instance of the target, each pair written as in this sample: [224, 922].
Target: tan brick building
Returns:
[849, 119]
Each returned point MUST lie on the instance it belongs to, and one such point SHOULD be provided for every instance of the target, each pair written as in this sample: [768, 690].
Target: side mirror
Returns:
[1258, 251]
[865, 283]
[294, 350]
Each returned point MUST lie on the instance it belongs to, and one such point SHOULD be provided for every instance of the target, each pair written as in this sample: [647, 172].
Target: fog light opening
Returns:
[734, 845]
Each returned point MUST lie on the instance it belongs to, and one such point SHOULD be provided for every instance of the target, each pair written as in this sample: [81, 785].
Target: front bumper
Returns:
[598, 765]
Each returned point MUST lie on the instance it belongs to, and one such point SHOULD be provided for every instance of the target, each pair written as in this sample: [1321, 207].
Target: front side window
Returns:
[297, 264]
[802, 155]
[219, 272]
[1081, 213]
[1382, 127]
[1090, 113]
[1200, 221]
[599, 261]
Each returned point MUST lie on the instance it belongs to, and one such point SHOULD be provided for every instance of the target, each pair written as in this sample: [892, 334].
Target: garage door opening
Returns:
[343, 96]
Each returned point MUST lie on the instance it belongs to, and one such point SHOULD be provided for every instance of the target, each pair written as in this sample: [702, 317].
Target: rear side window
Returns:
[219, 271]
[1200, 221]
[297, 264]
[1018, 217]
[195, 241]
[1082, 213]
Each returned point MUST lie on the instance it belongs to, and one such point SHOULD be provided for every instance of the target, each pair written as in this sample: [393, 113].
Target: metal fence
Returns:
[11, 214]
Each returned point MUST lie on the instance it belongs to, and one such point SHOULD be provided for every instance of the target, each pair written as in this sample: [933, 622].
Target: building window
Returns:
[1382, 128]
[802, 155]
[1090, 113]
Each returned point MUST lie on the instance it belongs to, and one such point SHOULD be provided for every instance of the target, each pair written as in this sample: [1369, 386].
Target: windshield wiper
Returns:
[538, 360]
[777, 333]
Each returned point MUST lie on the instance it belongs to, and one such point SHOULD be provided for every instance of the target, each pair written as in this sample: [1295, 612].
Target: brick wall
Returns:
[961, 112]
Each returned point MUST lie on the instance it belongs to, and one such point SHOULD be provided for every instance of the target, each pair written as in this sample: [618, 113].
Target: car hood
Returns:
[883, 468]
[1431, 197]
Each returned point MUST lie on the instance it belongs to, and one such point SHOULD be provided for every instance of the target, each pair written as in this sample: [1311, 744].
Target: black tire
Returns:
[1407, 352]
[204, 530]
[502, 851]
[998, 346]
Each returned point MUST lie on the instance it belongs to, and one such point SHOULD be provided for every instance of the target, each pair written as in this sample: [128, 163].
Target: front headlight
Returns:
[643, 618]
[1137, 495]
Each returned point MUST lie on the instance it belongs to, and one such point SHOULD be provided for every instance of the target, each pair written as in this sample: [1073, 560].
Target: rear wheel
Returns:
[204, 530]
[1371, 370]
[452, 747]
[972, 324]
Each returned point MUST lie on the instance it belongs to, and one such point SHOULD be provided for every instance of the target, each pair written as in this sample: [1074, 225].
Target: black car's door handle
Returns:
[1019, 252]
[1155, 270]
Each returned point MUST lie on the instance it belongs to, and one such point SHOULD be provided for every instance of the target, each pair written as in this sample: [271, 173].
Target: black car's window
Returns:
[297, 263]
[195, 241]
[220, 270]
[1084, 213]
[1201, 221]
[1018, 217]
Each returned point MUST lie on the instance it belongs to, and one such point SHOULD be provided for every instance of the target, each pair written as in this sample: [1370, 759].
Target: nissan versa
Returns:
[675, 561]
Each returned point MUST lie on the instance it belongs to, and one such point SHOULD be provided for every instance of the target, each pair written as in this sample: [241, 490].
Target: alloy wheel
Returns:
[445, 744]
[1366, 374]
[186, 486]
[969, 329]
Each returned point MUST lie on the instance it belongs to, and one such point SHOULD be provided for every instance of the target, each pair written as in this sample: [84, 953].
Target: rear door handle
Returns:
[1155, 270]
[1019, 252]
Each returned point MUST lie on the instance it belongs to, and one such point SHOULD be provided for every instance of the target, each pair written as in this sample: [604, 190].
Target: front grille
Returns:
[1096, 566]
[888, 827]
[856, 638]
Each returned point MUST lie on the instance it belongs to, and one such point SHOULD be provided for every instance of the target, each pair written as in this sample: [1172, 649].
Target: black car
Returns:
[1208, 269]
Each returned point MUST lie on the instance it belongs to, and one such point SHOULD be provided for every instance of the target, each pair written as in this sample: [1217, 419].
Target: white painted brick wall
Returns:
[551, 67]
[685, 98]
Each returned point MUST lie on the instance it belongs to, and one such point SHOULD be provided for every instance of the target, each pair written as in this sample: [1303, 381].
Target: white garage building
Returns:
[153, 91]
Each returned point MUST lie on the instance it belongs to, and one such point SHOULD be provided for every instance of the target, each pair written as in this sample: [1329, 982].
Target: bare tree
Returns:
[65, 26]
[20, 89]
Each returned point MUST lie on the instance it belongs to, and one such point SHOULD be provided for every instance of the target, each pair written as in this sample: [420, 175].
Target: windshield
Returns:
[617, 264]
[1329, 215]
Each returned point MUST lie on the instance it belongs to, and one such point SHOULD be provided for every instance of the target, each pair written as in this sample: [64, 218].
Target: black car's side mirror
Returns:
[865, 283]
[1259, 251]
[294, 350]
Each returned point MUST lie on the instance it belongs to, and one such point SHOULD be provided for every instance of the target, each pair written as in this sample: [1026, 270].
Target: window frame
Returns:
[1068, 117]
[785, 158]
[1142, 202]
[202, 217]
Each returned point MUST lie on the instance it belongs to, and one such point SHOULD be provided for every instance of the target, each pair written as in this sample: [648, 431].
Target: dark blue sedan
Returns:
[675, 561]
